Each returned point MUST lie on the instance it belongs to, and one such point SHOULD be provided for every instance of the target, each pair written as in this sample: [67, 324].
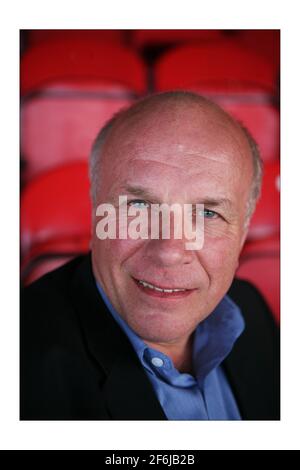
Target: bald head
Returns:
[175, 117]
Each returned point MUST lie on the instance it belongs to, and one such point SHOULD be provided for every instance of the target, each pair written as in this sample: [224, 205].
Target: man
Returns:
[143, 328]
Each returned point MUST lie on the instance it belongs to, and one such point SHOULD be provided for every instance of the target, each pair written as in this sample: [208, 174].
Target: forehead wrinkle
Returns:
[157, 162]
[195, 172]
[146, 162]
[183, 154]
[187, 159]
[194, 168]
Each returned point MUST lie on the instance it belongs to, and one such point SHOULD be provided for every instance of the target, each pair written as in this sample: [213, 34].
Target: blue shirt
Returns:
[207, 396]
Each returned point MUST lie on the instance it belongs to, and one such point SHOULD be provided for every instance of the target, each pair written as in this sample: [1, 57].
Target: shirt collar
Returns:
[214, 338]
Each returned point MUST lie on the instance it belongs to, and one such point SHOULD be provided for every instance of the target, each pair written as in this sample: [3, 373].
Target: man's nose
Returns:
[169, 252]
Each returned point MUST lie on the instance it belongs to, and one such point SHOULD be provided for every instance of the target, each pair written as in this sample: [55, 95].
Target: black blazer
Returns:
[76, 363]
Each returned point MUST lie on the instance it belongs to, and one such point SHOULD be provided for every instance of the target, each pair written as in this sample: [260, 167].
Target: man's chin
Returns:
[163, 327]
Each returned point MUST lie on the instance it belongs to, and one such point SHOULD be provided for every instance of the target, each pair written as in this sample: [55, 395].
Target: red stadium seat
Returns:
[265, 41]
[240, 80]
[46, 262]
[81, 59]
[155, 37]
[69, 90]
[37, 36]
[266, 219]
[260, 264]
[55, 216]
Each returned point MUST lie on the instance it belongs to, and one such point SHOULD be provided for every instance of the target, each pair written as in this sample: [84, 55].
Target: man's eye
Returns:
[139, 203]
[209, 214]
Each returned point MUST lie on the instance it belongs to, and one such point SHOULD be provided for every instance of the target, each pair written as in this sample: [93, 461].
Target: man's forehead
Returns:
[166, 185]
[157, 135]
[172, 159]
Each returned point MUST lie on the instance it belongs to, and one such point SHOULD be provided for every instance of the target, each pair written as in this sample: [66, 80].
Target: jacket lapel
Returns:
[236, 370]
[127, 392]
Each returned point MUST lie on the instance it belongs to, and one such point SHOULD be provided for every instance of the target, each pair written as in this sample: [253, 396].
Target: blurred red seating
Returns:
[238, 79]
[55, 218]
[69, 90]
[48, 260]
[265, 42]
[265, 222]
[260, 264]
[155, 37]
[37, 36]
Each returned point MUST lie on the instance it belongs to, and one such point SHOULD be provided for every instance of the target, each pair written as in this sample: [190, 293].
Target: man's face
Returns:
[175, 155]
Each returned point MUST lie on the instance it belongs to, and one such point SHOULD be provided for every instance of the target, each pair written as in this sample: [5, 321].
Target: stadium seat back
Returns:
[238, 79]
[260, 265]
[60, 124]
[265, 222]
[56, 207]
[69, 90]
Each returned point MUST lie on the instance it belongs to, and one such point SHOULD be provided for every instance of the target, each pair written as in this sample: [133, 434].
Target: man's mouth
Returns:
[159, 291]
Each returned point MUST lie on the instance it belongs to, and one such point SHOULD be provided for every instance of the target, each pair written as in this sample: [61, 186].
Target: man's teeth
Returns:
[151, 286]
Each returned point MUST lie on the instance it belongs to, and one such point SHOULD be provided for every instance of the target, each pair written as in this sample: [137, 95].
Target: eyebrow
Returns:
[207, 201]
[141, 192]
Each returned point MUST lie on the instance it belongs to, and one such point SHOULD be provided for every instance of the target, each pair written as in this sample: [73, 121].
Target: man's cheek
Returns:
[122, 250]
[219, 253]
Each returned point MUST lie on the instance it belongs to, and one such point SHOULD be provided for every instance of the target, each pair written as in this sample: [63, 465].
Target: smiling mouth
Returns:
[154, 290]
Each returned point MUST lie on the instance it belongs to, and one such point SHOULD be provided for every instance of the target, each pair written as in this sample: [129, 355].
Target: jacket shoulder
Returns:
[253, 366]
[253, 306]
[46, 305]
[58, 380]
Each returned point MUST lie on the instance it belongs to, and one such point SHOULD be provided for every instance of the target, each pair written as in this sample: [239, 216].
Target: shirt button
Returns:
[157, 361]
